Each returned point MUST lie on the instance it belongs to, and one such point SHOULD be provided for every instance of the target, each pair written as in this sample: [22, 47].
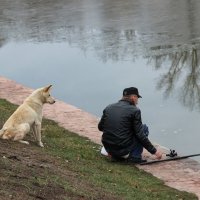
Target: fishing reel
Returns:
[172, 153]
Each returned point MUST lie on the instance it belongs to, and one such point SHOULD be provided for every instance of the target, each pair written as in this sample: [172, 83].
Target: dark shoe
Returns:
[134, 160]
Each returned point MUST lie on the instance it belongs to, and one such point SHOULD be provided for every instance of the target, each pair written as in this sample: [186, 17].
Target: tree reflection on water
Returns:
[184, 68]
[117, 31]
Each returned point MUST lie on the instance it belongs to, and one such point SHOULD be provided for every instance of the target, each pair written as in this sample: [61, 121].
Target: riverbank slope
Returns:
[182, 175]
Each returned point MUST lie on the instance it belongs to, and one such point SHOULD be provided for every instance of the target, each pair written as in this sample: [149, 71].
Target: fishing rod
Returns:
[172, 157]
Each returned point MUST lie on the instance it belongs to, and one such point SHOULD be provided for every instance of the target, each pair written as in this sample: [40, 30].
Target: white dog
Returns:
[27, 117]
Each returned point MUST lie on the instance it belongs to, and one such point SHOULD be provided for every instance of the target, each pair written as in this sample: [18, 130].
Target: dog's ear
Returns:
[46, 89]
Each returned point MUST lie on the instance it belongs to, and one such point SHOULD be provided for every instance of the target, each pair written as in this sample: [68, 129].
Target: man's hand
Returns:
[158, 154]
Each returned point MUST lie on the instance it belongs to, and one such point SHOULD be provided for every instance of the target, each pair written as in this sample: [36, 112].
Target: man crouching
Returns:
[124, 135]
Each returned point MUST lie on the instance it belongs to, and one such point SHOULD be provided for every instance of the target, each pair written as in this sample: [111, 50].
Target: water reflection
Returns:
[183, 72]
[117, 31]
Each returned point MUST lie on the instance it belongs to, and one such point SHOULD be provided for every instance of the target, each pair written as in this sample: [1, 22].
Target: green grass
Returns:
[82, 158]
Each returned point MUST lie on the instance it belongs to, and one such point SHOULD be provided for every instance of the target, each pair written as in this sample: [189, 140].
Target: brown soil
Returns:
[20, 168]
[26, 173]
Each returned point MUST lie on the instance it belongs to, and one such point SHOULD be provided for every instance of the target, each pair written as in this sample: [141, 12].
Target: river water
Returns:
[90, 50]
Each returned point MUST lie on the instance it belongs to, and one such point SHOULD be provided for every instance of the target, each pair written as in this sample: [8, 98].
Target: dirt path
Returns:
[182, 175]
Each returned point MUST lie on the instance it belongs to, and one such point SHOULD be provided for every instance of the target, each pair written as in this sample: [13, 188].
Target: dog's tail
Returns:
[2, 131]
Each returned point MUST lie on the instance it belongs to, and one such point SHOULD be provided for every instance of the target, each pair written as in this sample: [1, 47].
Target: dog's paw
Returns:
[24, 142]
[41, 144]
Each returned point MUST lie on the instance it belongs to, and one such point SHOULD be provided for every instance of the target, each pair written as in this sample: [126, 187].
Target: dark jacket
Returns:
[121, 124]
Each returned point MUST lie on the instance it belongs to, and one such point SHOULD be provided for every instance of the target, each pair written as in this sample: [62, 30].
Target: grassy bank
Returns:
[70, 167]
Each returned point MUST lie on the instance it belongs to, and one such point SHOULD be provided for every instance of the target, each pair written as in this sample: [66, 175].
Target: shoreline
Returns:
[183, 175]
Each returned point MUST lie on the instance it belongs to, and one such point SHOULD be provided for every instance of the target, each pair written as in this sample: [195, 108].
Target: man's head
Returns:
[132, 94]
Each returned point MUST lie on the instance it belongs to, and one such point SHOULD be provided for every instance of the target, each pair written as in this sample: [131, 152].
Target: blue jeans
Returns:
[138, 148]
